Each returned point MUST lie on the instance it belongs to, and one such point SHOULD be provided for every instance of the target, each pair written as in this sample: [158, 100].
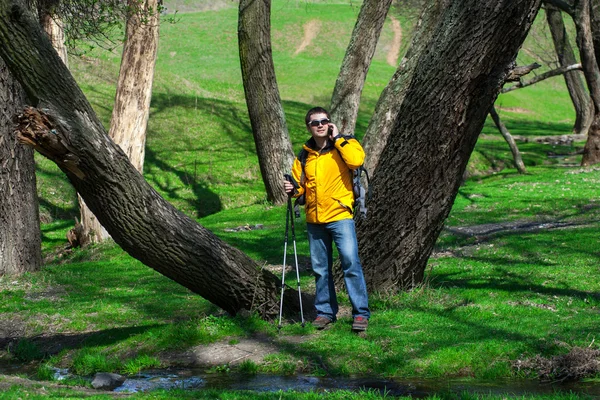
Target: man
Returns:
[325, 181]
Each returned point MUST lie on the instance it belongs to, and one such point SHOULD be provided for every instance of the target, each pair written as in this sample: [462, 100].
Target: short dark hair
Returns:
[315, 110]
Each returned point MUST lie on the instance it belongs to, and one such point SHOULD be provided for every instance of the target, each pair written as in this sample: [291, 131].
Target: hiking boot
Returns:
[321, 322]
[360, 324]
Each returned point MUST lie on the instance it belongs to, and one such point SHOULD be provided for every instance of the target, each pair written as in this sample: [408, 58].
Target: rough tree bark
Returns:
[387, 107]
[595, 23]
[583, 24]
[20, 236]
[584, 109]
[459, 72]
[345, 100]
[273, 146]
[65, 129]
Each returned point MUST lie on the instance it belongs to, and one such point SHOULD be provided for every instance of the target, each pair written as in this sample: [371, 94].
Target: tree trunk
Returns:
[273, 146]
[584, 110]
[595, 24]
[582, 19]
[20, 236]
[90, 229]
[134, 89]
[132, 100]
[509, 139]
[387, 108]
[460, 70]
[351, 79]
[52, 25]
[139, 220]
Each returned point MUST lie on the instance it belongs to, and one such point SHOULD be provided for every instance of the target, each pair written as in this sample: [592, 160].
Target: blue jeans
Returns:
[320, 238]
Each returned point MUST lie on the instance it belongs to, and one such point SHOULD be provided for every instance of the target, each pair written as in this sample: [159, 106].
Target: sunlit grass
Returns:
[507, 292]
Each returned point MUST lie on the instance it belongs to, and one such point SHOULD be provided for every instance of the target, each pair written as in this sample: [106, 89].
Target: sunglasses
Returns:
[317, 122]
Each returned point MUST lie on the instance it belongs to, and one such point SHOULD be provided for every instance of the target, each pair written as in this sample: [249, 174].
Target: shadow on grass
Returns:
[584, 215]
[52, 199]
[50, 344]
[534, 128]
[530, 260]
[56, 212]
[205, 201]
[232, 117]
[51, 230]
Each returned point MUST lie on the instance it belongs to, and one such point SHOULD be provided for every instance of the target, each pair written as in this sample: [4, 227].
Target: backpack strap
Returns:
[302, 156]
[360, 194]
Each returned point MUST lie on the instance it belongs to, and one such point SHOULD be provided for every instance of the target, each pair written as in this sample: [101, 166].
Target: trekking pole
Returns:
[296, 259]
[287, 224]
[289, 215]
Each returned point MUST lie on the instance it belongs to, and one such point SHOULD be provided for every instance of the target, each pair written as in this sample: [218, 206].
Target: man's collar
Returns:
[311, 144]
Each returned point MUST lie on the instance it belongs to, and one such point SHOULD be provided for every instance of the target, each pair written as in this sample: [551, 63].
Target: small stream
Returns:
[417, 388]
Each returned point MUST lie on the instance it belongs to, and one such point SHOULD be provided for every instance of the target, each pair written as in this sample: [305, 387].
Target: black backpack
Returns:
[360, 194]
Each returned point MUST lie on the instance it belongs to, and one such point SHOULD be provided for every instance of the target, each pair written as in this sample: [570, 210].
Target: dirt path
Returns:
[394, 52]
[311, 29]
[229, 352]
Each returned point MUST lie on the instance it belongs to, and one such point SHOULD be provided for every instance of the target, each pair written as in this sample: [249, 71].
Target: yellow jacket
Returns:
[327, 179]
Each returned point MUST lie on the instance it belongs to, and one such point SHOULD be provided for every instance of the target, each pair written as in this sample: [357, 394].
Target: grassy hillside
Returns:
[517, 262]
[200, 151]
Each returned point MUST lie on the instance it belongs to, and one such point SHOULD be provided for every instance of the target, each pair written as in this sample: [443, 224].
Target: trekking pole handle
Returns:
[291, 180]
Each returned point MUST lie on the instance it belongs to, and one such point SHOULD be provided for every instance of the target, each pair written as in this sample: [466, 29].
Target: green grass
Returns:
[489, 298]
[41, 392]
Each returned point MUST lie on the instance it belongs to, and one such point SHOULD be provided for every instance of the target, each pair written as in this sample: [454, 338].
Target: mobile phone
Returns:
[330, 130]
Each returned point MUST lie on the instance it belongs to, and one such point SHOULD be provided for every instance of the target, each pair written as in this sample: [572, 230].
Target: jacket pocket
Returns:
[343, 205]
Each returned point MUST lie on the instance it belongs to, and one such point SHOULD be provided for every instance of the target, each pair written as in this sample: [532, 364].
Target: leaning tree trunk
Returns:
[584, 109]
[386, 110]
[351, 79]
[460, 71]
[69, 133]
[273, 146]
[20, 236]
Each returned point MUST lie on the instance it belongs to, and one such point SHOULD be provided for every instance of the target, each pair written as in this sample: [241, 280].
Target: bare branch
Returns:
[510, 140]
[517, 72]
[541, 77]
